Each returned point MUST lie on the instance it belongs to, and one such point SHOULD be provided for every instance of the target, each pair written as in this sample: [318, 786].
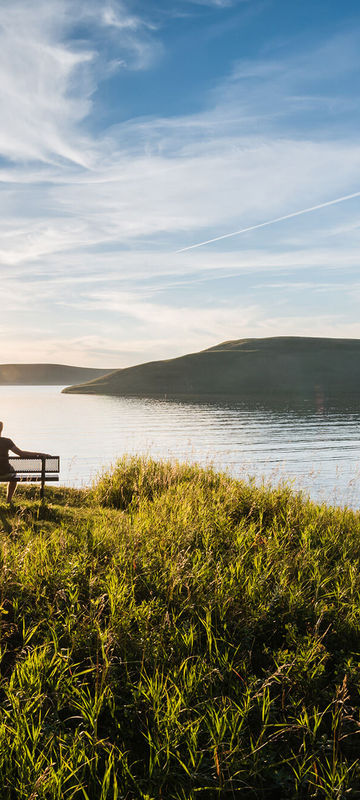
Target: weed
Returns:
[175, 633]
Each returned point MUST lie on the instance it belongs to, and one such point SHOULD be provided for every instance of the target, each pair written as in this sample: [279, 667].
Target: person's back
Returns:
[5, 446]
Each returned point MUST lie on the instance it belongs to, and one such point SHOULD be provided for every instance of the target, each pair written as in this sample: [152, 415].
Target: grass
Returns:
[175, 634]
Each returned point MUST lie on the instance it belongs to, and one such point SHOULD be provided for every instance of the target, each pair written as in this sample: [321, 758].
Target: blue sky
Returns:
[131, 131]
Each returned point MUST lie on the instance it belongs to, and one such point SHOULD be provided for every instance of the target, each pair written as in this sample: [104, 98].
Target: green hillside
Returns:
[46, 374]
[176, 634]
[287, 367]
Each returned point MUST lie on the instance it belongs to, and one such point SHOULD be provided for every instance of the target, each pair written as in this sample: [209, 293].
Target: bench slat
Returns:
[33, 470]
[28, 478]
[36, 478]
[24, 465]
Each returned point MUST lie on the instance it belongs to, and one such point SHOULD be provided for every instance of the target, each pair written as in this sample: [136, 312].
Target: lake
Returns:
[317, 449]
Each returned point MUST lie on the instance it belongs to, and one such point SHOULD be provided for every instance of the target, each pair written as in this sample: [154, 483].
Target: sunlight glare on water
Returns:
[320, 452]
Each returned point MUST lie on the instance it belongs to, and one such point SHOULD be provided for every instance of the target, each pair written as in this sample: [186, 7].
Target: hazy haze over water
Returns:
[320, 450]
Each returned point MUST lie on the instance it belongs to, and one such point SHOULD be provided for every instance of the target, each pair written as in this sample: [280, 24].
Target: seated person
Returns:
[7, 472]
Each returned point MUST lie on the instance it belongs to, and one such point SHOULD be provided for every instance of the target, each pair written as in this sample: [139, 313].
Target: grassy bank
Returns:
[175, 633]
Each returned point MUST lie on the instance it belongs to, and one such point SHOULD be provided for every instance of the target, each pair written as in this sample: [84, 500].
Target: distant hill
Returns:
[46, 374]
[279, 367]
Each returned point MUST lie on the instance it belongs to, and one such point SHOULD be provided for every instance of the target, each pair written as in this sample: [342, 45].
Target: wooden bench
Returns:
[35, 470]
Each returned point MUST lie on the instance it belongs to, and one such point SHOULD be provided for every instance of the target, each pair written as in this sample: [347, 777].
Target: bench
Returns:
[35, 470]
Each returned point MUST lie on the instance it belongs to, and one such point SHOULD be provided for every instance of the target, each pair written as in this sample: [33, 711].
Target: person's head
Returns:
[1, 427]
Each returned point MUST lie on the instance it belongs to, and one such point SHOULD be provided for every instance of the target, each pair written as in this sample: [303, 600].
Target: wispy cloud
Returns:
[82, 206]
[44, 92]
[215, 3]
[116, 352]
[47, 76]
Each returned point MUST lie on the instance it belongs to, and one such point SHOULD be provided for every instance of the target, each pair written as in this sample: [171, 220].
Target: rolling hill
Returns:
[46, 374]
[278, 367]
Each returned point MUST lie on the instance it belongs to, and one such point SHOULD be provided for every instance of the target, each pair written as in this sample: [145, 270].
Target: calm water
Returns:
[319, 450]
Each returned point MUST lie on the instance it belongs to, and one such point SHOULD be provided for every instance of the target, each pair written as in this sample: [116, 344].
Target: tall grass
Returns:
[177, 634]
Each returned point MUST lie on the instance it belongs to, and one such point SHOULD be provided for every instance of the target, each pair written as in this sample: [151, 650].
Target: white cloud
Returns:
[162, 318]
[80, 210]
[110, 16]
[40, 97]
[157, 196]
[114, 351]
[47, 78]
[215, 3]
[137, 46]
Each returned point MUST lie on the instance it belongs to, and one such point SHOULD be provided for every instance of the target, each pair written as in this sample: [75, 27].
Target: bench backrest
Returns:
[28, 465]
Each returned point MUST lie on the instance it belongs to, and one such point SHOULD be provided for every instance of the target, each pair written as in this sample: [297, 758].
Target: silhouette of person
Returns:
[6, 470]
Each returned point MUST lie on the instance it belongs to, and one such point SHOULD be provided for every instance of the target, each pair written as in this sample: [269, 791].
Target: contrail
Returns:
[272, 221]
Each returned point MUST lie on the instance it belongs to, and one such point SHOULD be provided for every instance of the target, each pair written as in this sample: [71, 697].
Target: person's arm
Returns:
[28, 453]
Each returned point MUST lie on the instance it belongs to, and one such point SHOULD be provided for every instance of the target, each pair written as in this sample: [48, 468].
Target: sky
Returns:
[132, 131]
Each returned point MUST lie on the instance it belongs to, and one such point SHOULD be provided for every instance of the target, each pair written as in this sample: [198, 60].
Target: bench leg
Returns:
[42, 479]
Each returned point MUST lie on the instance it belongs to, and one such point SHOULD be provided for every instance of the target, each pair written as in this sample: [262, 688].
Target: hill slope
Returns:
[46, 374]
[275, 367]
[178, 634]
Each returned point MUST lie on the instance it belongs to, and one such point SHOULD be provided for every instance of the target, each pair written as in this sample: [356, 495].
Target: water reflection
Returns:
[315, 445]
